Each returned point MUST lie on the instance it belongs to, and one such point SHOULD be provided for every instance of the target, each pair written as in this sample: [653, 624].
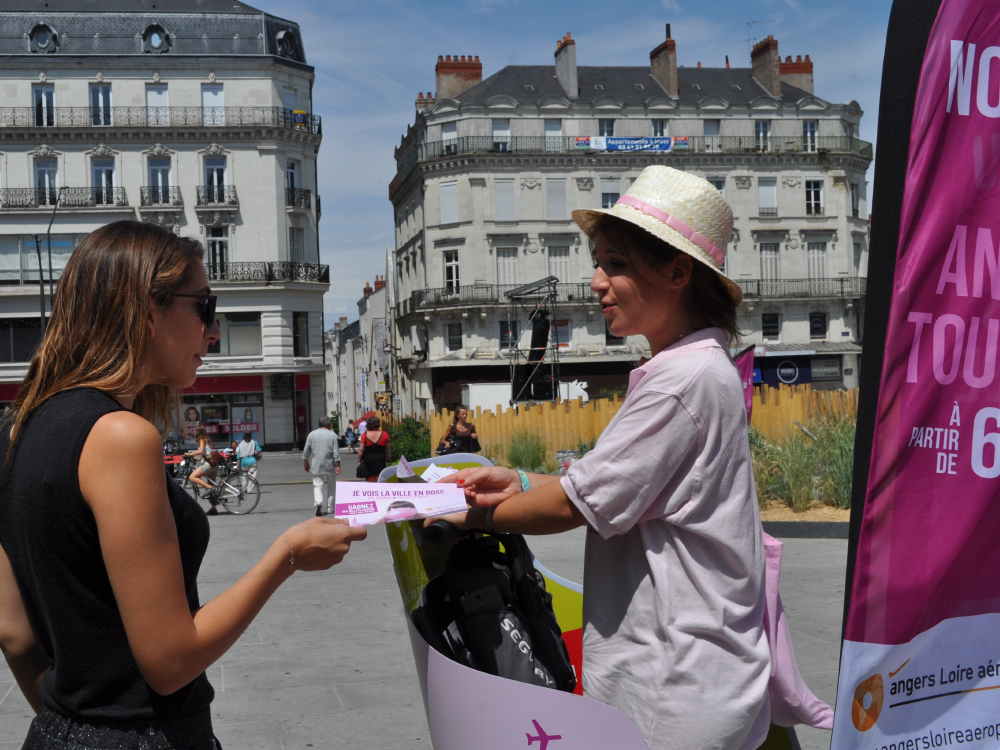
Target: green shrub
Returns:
[411, 438]
[586, 446]
[525, 450]
[835, 449]
[618, 392]
[796, 461]
[763, 458]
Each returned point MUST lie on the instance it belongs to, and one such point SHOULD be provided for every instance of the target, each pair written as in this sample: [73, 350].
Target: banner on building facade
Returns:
[616, 143]
[920, 664]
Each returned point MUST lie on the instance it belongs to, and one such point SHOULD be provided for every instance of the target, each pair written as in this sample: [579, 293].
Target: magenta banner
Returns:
[922, 640]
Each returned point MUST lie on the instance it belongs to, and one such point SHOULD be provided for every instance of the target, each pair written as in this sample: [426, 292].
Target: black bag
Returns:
[490, 611]
[362, 471]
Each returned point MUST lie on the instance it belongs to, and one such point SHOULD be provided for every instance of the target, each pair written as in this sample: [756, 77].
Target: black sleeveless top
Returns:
[49, 533]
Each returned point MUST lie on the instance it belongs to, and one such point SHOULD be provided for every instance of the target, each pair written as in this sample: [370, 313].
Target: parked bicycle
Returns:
[235, 490]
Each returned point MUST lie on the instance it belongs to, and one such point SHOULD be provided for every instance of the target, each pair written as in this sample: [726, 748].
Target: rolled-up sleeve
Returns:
[642, 467]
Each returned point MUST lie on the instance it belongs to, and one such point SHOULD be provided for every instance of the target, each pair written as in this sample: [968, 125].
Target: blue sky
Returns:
[373, 56]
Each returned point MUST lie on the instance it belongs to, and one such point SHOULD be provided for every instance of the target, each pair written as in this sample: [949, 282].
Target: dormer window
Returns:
[43, 39]
[736, 87]
[529, 87]
[639, 87]
[287, 43]
[598, 87]
[155, 39]
[696, 87]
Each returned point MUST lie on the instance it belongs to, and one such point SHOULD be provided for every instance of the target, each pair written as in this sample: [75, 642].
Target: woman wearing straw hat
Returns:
[674, 571]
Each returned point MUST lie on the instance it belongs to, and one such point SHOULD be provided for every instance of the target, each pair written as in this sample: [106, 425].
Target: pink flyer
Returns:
[366, 504]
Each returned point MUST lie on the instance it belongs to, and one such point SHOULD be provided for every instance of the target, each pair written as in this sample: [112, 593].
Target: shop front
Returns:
[226, 406]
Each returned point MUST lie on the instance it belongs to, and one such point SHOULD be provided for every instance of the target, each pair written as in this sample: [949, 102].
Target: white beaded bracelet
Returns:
[291, 555]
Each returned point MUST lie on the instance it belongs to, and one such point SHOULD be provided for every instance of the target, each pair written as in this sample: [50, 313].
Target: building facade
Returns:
[490, 170]
[197, 118]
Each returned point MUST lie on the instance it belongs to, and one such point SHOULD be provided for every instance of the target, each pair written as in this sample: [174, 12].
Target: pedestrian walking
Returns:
[673, 609]
[321, 458]
[362, 427]
[249, 453]
[99, 551]
[351, 438]
[375, 451]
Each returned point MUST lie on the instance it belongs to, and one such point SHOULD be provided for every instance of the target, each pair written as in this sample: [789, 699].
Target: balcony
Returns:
[813, 209]
[268, 272]
[158, 117]
[298, 199]
[765, 212]
[841, 287]
[154, 196]
[213, 196]
[68, 197]
[319, 207]
[482, 295]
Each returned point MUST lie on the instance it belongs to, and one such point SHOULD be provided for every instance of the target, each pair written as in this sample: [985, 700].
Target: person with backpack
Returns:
[674, 598]
[249, 453]
[321, 458]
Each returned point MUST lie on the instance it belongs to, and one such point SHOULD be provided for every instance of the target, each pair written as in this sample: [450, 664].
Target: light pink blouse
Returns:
[674, 574]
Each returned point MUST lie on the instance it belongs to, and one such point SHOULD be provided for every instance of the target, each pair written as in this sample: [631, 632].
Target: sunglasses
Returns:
[206, 310]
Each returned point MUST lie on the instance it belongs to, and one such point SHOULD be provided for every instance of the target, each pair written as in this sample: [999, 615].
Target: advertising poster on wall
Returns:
[919, 664]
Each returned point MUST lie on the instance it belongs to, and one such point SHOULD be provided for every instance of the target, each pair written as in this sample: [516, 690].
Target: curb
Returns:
[807, 529]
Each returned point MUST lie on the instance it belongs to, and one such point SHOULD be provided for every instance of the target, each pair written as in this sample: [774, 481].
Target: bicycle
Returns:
[235, 490]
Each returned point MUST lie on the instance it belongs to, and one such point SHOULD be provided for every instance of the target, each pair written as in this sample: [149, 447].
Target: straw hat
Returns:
[684, 211]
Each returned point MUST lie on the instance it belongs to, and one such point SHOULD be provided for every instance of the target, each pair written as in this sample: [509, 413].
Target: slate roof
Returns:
[735, 85]
[128, 6]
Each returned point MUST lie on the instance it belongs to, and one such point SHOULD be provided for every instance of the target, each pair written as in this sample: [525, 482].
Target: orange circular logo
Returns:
[865, 718]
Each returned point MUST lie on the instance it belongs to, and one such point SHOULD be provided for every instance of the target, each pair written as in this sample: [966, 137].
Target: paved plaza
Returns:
[327, 663]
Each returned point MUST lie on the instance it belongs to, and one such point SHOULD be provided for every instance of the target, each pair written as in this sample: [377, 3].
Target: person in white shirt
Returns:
[674, 569]
[322, 459]
[246, 451]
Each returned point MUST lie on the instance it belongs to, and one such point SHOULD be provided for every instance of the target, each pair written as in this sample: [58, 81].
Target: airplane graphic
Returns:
[543, 739]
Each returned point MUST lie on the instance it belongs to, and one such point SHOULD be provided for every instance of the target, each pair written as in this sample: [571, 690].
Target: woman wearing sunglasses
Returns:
[100, 619]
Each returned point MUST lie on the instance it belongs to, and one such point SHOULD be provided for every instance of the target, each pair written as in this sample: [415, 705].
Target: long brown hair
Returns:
[707, 295]
[97, 335]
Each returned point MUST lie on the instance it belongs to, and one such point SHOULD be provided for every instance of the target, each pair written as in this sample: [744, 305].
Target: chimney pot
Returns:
[457, 73]
[727, 61]
[668, 31]
[663, 65]
[699, 63]
[766, 65]
[798, 73]
[566, 66]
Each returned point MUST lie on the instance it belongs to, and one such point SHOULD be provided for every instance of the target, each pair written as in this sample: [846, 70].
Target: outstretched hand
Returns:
[321, 543]
[487, 485]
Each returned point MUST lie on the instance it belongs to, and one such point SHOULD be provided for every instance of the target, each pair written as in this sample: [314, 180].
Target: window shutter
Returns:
[503, 196]
[449, 202]
[767, 195]
[555, 200]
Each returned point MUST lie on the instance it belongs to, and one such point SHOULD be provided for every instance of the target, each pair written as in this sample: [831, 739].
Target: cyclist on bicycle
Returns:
[204, 468]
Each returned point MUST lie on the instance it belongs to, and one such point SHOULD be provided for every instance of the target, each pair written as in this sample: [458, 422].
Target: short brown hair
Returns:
[374, 424]
[708, 297]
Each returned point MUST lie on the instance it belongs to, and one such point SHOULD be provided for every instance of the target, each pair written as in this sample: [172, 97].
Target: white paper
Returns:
[368, 503]
[434, 472]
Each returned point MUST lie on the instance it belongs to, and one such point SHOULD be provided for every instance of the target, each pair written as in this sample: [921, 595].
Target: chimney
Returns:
[456, 75]
[799, 73]
[368, 289]
[566, 66]
[425, 101]
[663, 65]
[379, 282]
[343, 323]
[766, 62]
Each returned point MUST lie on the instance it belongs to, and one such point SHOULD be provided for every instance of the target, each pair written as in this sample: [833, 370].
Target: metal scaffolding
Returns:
[534, 371]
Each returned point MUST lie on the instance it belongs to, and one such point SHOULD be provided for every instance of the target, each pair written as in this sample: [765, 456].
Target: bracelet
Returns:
[489, 520]
[291, 555]
[525, 485]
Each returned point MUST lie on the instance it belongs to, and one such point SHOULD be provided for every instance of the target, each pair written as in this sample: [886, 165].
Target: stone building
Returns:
[196, 116]
[490, 169]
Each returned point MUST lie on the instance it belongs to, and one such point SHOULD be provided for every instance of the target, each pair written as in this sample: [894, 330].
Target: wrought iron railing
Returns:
[217, 195]
[268, 271]
[766, 212]
[154, 195]
[292, 271]
[319, 207]
[158, 117]
[298, 198]
[237, 271]
[846, 286]
[485, 294]
[68, 197]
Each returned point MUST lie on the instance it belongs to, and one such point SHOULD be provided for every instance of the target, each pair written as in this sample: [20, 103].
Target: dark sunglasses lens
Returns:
[208, 311]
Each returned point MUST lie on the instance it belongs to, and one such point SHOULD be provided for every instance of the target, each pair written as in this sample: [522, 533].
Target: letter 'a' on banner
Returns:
[922, 611]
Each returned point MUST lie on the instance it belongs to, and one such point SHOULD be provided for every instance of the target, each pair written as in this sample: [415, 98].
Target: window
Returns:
[555, 200]
[770, 325]
[300, 334]
[213, 110]
[103, 181]
[696, 87]
[454, 337]
[814, 197]
[719, 184]
[288, 99]
[817, 260]
[610, 192]
[809, 130]
[553, 135]
[217, 252]
[559, 263]
[503, 200]
[507, 265]
[529, 87]
[100, 104]
[857, 258]
[767, 196]
[159, 181]
[239, 335]
[735, 87]
[449, 136]
[155, 39]
[157, 104]
[610, 339]
[62, 248]
[855, 199]
[296, 245]
[449, 202]
[501, 135]
[712, 135]
[451, 278]
[46, 179]
[43, 97]
[817, 325]
[561, 332]
[508, 334]
[640, 87]
[10, 261]
[606, 127]
[19, 337]
[291, 175]
[762, 134]
[661, 128]
[598, 87]
[769, 261]
[215, 180]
